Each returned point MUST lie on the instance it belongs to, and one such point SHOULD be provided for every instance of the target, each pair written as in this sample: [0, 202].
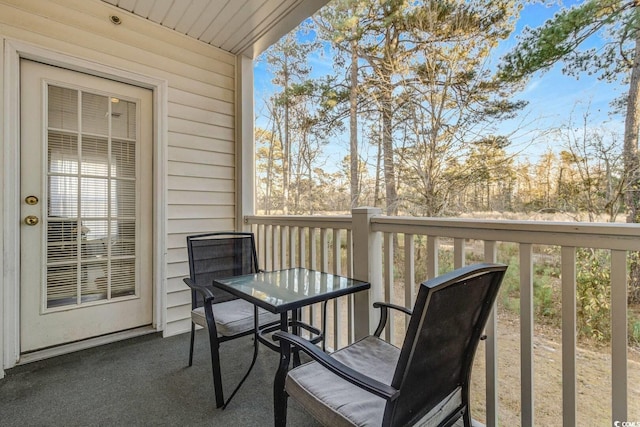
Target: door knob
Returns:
[31, 220]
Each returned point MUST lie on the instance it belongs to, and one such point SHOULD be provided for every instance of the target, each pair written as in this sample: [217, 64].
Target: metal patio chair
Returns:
[372, 382]
[217, 255]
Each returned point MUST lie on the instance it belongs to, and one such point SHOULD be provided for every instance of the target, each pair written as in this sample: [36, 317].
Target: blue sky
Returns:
[552, 96]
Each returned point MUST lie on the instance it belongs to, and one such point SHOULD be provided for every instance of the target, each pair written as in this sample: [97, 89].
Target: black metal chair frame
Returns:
[392, 393]
[205, 291]
[261, 332]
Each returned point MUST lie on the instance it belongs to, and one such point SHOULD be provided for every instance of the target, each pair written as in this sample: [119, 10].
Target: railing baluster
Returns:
[388, 282]
[262, 232]
[337, 258]
[491, 349]
[350, 297]
[324, 266]
[302, 262]
[275, 239]
[293, 231]
[409, 273]
[337, 302]
[433, 244]
[619, 364]
[283, 246]
[313, 253]
[302, 247]
[458, 253]
[268, 247]
[324, 249]
[313, 249]
[349, 253]
[526, 333]
[568, 274]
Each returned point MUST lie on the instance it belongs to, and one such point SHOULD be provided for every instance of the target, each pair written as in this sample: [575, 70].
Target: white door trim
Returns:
[14, 50]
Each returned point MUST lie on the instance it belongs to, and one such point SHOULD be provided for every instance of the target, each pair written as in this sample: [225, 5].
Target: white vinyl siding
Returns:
[201, 108]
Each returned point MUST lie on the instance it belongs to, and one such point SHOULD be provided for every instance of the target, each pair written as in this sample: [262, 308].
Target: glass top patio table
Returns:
[286, 290]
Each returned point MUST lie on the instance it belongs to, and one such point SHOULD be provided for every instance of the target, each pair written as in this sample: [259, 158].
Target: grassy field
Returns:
[593, 368]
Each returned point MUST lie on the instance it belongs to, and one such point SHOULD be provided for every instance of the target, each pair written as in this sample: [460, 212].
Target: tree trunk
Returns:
[267, 196]
[297, 175]
[387, 155]
[278, 123]
[376, 193]
[353, 126]
[311, 192]
[286, 149]
[631, 163]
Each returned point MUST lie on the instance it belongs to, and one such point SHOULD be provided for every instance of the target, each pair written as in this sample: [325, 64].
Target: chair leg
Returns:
[280, 408]
[215, 354]
[215, 367]
[193, 335]
[256, 345]
[466, 409]
[280, 396]
[466, 418]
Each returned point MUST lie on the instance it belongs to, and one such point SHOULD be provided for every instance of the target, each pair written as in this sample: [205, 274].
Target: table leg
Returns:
[279, 393]
[295, 317]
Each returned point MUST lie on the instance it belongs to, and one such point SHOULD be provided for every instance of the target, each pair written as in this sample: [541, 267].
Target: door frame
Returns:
[14, 50]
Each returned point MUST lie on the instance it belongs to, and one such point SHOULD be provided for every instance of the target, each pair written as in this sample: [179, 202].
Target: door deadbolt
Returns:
[31, 200]
[31, 220]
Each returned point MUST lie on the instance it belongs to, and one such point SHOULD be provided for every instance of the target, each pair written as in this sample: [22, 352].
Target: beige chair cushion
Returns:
[336, 402]
[233, 317]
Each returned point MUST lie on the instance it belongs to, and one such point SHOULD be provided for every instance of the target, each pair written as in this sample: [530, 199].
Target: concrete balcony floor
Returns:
[143, 381]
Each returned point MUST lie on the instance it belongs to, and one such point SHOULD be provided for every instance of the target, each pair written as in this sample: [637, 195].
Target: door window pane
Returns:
[123, 115]
[63, 108]
[91, 223]
[95, 114]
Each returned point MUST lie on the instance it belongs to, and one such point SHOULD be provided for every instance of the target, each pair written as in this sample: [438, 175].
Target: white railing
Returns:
[313, 242]
[327, 243]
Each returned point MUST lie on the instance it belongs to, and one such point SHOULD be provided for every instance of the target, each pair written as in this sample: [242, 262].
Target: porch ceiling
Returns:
[246, 27]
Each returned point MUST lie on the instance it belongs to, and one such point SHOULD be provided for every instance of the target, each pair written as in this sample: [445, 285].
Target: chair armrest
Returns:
[384, 314]
[340, 369]
[203, 290]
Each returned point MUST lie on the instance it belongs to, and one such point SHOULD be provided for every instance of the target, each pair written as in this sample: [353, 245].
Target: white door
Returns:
[86, 185]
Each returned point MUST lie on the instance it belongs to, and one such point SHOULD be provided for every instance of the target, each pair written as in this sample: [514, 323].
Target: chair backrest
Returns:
[216, 255]
[436, 358]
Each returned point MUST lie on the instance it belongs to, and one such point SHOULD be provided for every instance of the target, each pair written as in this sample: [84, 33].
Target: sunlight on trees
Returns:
[416, 96]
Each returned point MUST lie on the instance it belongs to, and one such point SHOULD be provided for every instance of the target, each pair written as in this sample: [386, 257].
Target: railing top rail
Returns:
[619, 236]
[312, 221]
[547, 226]
[579, 234]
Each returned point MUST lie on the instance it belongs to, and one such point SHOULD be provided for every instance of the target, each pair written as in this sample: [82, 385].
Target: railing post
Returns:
[367, 263]
[619, 336]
